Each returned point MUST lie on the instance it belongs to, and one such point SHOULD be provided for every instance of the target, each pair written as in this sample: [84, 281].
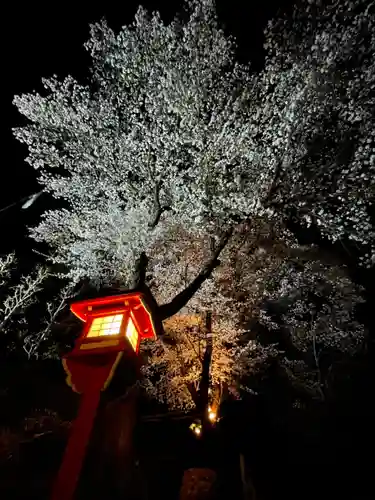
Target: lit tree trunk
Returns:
[205, 376]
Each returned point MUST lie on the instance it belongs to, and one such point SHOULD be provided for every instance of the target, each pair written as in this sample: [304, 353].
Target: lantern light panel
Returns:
[105, 325]
[132, 334]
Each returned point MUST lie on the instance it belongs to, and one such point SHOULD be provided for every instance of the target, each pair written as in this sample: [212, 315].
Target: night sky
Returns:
[40, 41]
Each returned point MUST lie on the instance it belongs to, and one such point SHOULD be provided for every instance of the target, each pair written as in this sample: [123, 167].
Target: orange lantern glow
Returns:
[212, 415]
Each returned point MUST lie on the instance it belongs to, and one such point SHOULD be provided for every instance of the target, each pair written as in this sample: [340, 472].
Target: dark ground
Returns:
[323, 451]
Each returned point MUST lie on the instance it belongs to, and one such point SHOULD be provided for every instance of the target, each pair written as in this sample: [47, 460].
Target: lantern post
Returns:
[112, 325]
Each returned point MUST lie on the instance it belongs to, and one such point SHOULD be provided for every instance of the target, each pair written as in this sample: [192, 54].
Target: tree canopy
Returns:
[319, 77]
[170, 127]
[174, 150]
[158, 136]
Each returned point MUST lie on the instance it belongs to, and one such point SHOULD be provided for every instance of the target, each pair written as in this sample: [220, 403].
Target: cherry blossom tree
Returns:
[171, 126]
[38, 342]
[316, 124]
[311, 312]
[304, 305]
[159, 135]
[157, 140]
[173, 154]
[18, 297]
[175, 363]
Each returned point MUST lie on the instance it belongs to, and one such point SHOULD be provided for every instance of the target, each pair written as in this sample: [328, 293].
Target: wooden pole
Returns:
[71, 466]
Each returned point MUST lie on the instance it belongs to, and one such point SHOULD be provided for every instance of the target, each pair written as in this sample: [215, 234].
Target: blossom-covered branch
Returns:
[33, 341]
[20, 296]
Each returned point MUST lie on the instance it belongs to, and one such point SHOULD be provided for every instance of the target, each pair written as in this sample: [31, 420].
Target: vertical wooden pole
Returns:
[71, 466]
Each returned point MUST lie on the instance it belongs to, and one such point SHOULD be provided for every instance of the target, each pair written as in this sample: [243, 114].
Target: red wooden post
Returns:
[75, 451]
[113, 325]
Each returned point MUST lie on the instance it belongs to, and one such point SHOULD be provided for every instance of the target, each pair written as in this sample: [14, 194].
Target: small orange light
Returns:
[196, 428]
[212, 416]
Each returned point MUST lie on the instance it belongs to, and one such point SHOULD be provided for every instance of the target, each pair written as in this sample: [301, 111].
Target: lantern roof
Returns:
[135, 301]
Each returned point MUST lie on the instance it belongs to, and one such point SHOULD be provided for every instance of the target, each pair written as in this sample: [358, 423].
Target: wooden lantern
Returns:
[112, 325]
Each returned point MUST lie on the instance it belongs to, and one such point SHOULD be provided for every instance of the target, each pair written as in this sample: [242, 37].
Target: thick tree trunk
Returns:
[109, 472]
[111, 459]
[248, 490]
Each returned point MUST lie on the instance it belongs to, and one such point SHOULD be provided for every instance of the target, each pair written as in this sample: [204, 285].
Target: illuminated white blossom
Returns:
[165, 110]
[315, 126]
[172, 141]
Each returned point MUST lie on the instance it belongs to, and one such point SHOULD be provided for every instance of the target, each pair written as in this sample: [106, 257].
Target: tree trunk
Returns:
[205, 375]
[248, 490]
[110, 466]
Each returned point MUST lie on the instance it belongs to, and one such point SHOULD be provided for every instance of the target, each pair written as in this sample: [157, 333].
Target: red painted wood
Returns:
[71, 466]
[89, 369]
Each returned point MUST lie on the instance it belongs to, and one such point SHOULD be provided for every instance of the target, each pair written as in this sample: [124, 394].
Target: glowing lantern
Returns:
[113, 325]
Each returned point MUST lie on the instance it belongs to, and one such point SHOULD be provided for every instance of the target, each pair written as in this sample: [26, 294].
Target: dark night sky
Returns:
[40, 41]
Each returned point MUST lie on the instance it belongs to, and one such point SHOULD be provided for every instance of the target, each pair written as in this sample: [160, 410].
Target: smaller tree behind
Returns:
[16, 299]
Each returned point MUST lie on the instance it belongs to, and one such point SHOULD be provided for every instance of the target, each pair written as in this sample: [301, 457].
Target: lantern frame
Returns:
[133, 306]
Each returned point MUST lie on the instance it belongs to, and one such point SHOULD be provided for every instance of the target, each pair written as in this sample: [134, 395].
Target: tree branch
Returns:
[139, 278]
[139, 283]
[272, 188]
[317, 364]
[159, 210]
[168, 310]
